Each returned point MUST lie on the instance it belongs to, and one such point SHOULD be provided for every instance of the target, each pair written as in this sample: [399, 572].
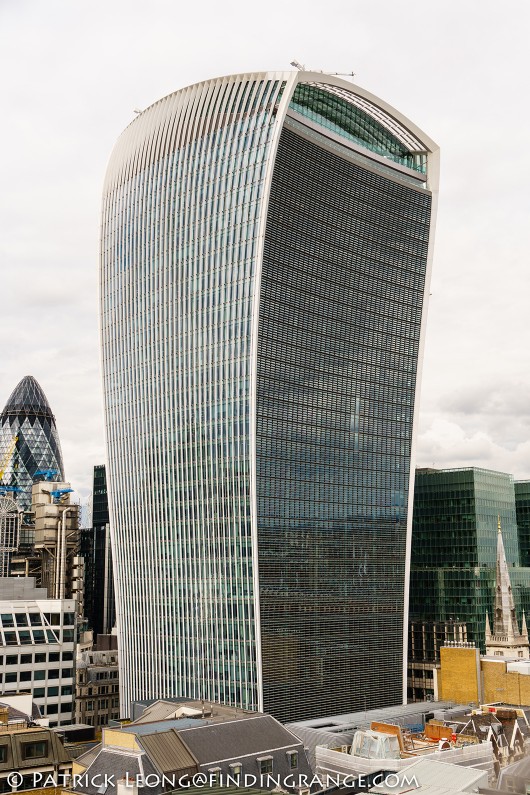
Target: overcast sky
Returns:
[71, 74]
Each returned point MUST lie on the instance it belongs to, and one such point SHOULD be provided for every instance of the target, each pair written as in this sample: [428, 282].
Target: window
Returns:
[26, 659]
[39, 692]
[25, 676]
[53, 691]
[40, 658]
[215, 773]
[35, 750]
[235, 769]
[292, 757]
[3, 753]
[265, 765]
[54, 656]
[11, 659]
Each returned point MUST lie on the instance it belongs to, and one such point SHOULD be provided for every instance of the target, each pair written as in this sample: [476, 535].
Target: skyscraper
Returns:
[455, 547]
[29, 442]
[95, 550]
[264, 264]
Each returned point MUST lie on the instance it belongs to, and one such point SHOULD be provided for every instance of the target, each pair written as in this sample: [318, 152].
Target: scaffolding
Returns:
[9, 532]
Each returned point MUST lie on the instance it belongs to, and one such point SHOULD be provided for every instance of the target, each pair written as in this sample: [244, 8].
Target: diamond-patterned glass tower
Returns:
[29, 442]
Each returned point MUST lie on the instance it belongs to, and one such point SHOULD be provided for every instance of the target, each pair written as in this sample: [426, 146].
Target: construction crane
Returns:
[7, 458]
[58, 494]
[47, 474]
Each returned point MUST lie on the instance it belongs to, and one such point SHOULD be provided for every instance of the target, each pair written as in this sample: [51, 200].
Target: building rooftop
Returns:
[156, 726]
[162, 709]
[246, 736]
[14, 758]
[437, 777]
[168, 752]
[403, 714]
[27, 398]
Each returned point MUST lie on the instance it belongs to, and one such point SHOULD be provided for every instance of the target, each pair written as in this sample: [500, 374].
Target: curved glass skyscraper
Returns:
[29, 442]
[264, 265]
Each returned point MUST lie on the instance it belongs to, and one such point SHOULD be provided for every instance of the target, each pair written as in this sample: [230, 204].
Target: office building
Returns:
[29, 443]
[97, 691]
[37, 636]
[455, 548]
[426, 638]
[95, 549]
[522, 509]
[265, 257]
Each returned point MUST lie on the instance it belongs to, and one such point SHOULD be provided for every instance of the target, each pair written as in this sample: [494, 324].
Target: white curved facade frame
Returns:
[185, 233]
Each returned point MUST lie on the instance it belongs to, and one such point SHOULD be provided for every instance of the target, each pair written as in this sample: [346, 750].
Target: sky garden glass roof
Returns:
[339, 115]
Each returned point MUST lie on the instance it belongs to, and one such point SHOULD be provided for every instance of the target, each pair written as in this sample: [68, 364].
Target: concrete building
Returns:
[97, 688]
[265, 260]
[57, 541]
[37, 636]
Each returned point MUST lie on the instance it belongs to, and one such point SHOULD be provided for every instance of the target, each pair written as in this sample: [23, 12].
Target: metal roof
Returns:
[167, 751]
[162, 725]
[401, 713]
[219, 741]
[436, 777]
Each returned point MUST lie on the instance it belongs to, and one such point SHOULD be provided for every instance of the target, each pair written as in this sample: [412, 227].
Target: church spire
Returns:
[505, 640]
[505, 621]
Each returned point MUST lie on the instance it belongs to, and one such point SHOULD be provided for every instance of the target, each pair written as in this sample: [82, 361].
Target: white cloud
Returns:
[74, 72]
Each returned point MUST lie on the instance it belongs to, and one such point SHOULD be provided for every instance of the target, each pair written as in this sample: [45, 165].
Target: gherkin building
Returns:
[29, 443]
